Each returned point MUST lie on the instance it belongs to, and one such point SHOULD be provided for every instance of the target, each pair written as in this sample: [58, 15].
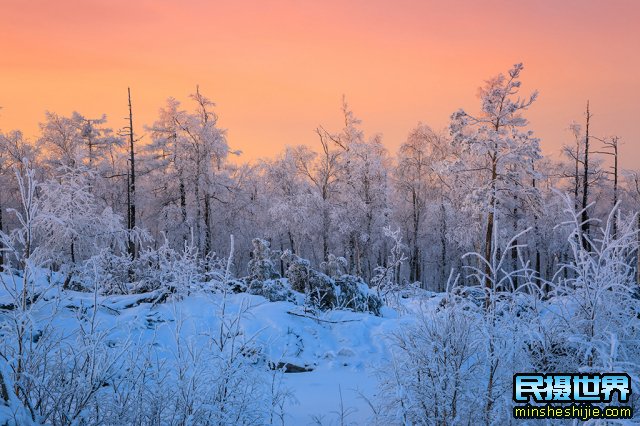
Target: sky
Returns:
[278, 69]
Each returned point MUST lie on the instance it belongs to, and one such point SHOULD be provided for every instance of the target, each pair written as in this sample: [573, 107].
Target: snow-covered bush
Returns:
[386, 280]
[177, 369]
[114, 272]
[320, 289]
[458, 361]
[355, 294]
[169, 270]
[595, 308]
[73, 223]
[263, 280]
[261, 265]
[432, 377]
[12, 410]
[24, 339]
[273, 290]
[212, 376]
[324, 292]
[162, 269]
[334, 266]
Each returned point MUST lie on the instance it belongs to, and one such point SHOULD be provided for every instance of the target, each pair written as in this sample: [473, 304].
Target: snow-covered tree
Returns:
[499, 152]
[187, 154]
[73, 223]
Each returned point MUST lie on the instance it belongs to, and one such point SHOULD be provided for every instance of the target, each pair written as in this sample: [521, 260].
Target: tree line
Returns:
[467, 188]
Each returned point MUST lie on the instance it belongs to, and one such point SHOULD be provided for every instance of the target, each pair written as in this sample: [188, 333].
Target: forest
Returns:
[141, 266]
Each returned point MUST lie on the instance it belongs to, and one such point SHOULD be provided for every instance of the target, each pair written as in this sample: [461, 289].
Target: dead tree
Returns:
[636, 186]
[611, 148]
[131, 187]
[585, 185]
[575, 155]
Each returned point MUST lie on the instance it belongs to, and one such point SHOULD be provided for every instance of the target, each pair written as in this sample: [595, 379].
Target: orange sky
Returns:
[277, 69]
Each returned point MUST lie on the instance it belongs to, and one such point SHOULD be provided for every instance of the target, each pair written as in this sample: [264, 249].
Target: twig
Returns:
[319, 319]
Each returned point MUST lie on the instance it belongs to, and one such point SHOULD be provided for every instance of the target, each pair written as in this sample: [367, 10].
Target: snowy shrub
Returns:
[12, 410]
[114, 272]
[355, 294]
[273, 290]
[596, 304]
[550, 352]
[297, 272]
[211, 376]
[473, 294]
[215, 271]
[169, 270]
[73, 223]
[183, 372]
[320, 290]
[334, 266]
[68, 384]
[432, 376]
[386, 280]
[458, 361]
[324, 292]
[155, 269]
[263, 280]
[261, 265]
[238, 285]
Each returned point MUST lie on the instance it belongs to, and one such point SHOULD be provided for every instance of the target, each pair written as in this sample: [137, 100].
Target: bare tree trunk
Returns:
[183, 209]
[638, 262]
[488, 243]
[325, 235]
[352, 254]
[614, 144]
[585, 186]
[292, 242]
[131, 193]
[537, 231]
[4, 392]
[183, 201]
[197, 196]
[128, 199]
[365, 254]
[443, 242]
[90, 145]
[490, 383]
[414, 273]
[576, 181]
[282, 251]
[1, 245]
[514, 250]
[207, 225]
[358, 258]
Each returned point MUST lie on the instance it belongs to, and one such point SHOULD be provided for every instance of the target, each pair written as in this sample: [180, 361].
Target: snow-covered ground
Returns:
[341, 350]
[206, 356]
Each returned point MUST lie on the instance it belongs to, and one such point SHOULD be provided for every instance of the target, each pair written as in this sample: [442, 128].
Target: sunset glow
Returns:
[432, 204]
[278, 69]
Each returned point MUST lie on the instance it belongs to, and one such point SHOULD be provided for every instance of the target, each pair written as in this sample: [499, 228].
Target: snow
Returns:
[319, 391]
[343, 353]
[342, 348]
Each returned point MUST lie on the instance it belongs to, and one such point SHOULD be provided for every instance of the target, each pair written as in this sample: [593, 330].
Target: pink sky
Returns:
[278, 69]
